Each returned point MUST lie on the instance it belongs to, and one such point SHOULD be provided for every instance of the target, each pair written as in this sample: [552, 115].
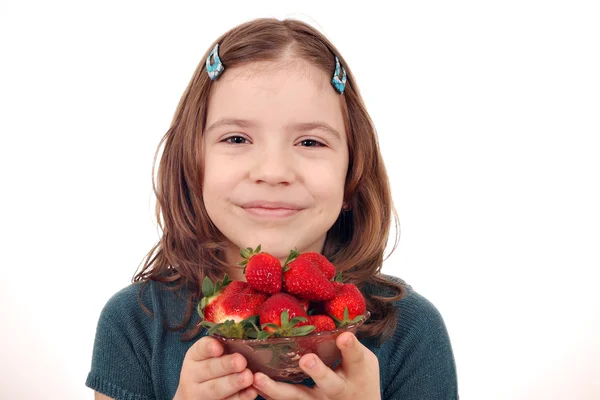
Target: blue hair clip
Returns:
[214, 68]
[339, 83]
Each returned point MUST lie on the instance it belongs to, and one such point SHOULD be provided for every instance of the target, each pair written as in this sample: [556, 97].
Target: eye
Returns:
[235, 140]
[311, 143]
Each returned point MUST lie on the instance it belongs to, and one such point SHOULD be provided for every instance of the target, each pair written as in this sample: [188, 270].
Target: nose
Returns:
[273, 167]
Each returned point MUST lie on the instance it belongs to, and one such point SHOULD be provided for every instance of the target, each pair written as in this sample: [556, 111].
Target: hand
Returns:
[357, 376]
[209, 375]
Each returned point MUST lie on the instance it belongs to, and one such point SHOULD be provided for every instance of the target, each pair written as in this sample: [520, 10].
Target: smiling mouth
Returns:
[263, 212]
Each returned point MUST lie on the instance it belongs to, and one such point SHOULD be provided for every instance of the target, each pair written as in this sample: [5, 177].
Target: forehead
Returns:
[276, 92]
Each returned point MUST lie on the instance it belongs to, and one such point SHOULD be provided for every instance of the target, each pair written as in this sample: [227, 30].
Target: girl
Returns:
[271, 144]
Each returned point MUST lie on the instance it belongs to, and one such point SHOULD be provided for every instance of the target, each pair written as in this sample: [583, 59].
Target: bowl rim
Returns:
[225, 339]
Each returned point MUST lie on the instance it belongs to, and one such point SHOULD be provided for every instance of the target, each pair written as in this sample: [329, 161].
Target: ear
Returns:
[346, 206]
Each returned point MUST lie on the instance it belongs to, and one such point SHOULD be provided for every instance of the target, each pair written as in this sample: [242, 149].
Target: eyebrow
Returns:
[309, 126]
[241, 123]
[296, 127]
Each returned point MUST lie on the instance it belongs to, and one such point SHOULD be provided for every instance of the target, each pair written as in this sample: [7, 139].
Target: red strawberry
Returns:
[347, 306]
[322, 322]
[283, 315]
[238, 306]
[232, 313]
[321, 262]
[301, 278]
[263, 271]
[305, 304]
[213, 292]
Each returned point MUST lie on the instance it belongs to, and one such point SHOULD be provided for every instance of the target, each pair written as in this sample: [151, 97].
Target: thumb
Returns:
[353, 352]
[205, 348]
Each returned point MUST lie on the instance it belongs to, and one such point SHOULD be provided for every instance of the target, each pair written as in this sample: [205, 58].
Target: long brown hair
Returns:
[191, 246]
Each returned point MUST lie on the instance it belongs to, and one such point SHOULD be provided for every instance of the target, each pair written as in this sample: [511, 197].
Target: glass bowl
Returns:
[278, 357]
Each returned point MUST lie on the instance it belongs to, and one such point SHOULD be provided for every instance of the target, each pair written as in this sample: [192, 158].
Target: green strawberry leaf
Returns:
[199, 308]
[291, 257]
[263, 335]
[250, 334]
[338, 323]
[226, 281]
[296, 320]
[285, 318]
[303, 330]
[273, 326]
[207, 324]
[338, 277]
[256, 328]
[346, 314]
[247, 254]
[250, 320]
[207, 287]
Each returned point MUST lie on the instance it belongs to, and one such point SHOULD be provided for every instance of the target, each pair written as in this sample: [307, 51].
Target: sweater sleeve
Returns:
[421, 354]
[122, 351]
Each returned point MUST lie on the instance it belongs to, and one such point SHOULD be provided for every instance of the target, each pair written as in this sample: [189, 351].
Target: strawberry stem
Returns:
[246, 255]
[291, 257]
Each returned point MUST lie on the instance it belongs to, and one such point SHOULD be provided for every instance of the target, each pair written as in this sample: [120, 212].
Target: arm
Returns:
[122, 349]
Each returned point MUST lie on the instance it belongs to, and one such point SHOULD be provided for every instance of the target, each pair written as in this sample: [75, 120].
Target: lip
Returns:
[271, 209]
[272, 205]
[271, 212]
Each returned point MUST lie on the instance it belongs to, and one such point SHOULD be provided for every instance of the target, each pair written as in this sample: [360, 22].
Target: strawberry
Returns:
[212, 292]
[233, 310]
[283, 315]
[322, 323]
[348, 305]
[321, 262]
[263, 271]
[303, 279]
[238, 306]
[305, 304]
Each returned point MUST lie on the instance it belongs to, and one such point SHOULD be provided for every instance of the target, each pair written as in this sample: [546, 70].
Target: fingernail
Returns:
[259, 380]
[311, 363]
[349, 342]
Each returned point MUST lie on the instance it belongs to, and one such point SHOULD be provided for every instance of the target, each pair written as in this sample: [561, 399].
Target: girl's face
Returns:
[276, 157]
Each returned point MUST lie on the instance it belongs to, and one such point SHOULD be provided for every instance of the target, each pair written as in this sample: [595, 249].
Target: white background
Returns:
[488, 115]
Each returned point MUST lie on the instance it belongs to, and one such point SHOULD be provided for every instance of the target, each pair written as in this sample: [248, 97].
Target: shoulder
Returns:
[127, 317]
[416, 313]
[417, 361]
[143, 302]
[416, 308]
[129, 332]
[130, 301]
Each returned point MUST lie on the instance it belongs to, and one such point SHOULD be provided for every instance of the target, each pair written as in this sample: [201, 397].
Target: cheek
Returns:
[220, 171]
[327, 186]
[217, 183]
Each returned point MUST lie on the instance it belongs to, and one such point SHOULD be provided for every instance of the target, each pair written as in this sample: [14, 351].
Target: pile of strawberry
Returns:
[294, 299]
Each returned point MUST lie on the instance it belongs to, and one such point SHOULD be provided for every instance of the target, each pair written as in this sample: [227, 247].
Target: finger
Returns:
[217, 367]
[249, 393]
[330, 383]
[204, 348]
[228, 385]
[263, 395]
[353, 352]
[268, 388]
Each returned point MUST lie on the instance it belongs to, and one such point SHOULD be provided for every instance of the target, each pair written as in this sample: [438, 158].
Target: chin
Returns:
[276, 246]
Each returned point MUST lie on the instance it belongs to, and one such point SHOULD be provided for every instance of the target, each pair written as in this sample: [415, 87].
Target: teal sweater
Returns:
[136, 358]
